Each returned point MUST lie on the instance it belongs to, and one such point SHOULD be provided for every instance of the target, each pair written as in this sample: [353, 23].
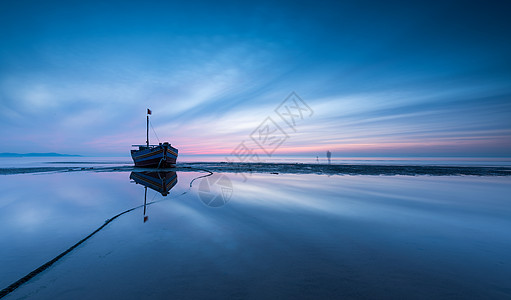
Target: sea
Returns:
[288, 228]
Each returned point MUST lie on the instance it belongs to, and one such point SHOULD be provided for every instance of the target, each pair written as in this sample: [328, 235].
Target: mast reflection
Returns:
[162, 182]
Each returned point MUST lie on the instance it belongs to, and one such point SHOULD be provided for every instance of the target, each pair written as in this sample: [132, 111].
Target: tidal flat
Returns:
[262, 235]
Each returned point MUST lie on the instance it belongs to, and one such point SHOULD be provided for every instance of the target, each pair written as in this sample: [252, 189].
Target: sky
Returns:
[367, 78]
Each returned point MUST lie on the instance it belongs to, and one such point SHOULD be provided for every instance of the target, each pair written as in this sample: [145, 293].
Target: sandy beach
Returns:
[285, 231]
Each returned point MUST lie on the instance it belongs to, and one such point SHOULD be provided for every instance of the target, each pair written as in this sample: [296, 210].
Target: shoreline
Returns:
[284, 168]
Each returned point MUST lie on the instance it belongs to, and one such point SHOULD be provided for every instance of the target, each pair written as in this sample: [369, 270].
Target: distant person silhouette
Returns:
[329, 156]
[317, 159]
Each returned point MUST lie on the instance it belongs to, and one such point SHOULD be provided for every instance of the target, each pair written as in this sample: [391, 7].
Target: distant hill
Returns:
[7, 154]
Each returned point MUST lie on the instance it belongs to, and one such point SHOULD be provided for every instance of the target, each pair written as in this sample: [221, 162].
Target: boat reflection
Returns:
[162, 182]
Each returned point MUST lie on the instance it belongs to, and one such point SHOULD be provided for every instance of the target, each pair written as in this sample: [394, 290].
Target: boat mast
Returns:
[147, 131]
[147, 127]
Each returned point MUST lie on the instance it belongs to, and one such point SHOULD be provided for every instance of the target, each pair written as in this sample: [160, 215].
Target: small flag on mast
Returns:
[148, 111]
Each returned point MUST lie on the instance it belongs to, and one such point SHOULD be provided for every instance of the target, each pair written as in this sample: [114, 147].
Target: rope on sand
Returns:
[48, 264]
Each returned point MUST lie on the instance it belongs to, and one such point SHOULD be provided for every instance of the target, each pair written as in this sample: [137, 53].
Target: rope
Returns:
[150, 123]
[48, 264]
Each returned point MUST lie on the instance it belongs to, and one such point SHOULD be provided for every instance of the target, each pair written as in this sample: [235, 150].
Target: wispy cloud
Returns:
[378, 87]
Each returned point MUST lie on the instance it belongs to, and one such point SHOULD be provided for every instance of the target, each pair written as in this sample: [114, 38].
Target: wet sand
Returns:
[280, 234]
[273, 168]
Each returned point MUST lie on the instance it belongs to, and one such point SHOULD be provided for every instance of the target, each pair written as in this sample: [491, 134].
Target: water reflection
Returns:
[162, 182]
[288, 236]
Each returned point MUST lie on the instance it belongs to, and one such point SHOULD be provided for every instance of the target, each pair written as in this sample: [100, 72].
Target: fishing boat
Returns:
[162, 155]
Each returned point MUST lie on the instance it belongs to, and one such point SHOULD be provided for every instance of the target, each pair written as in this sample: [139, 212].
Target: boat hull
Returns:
[159, 156]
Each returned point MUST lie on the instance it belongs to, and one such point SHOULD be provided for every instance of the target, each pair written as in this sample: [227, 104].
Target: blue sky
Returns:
[383, 78]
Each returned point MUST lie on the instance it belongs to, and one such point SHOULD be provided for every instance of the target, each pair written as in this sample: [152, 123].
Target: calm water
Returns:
[278, 236]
